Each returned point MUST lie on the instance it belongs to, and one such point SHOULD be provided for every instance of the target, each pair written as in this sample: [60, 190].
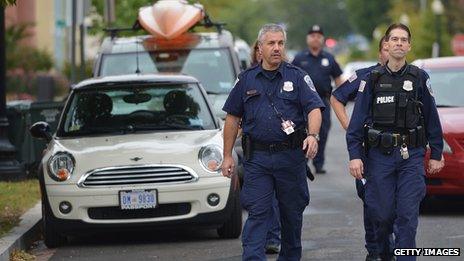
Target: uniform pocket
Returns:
[251, 105]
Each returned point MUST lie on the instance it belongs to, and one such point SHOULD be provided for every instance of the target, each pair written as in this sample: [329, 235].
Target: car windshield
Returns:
[136, 108]
[212, 67]
[447, 86]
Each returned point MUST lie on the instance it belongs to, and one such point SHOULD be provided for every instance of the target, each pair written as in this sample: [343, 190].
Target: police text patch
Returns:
[362, 84]
[309, 82]
[385, 99]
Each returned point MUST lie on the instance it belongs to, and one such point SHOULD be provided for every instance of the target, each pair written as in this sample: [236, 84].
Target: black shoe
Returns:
[272, 249]
[320, 171]
[373, 257]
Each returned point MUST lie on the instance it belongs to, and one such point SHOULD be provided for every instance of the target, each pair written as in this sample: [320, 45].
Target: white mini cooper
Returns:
[135, 150]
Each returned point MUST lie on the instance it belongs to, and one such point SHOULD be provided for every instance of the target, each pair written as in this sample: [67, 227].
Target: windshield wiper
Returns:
[167, 126]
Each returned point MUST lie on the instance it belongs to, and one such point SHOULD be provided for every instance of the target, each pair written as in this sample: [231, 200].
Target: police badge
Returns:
[288, 86]
[407, 86]
[325, 62]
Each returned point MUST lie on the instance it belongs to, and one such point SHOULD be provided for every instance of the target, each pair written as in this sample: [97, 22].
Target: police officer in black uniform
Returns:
[322, 67]
[396, 104]
[275, 101]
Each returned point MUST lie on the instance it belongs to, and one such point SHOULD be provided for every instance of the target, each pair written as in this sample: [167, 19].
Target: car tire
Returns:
[232, 228]
[52, 236]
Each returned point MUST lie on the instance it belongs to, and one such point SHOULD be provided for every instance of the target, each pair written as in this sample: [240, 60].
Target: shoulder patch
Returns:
[309, 82]
[429, 86]
[362, 84]
[353, 77]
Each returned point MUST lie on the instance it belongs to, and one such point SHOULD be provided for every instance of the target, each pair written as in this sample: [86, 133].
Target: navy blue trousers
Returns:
[318, 161]
[282, 174]
[393, 194]
[273, 234]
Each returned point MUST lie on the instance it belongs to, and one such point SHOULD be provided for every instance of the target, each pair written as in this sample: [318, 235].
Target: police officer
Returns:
[321, 67]
[348, 91]
[272, 245]
[275, 101]
[396, 102]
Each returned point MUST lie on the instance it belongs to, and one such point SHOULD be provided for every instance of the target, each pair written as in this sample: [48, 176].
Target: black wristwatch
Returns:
[315, 135]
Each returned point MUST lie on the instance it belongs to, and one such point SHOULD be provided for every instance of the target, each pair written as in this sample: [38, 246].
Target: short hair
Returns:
[397, 26]
[382, 40]
[274, 28]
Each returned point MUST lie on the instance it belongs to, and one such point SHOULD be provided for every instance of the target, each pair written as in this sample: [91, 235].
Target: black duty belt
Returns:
[271, 147]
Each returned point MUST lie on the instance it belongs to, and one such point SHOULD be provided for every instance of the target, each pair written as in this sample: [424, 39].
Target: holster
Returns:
[246, 147]
[373, 137]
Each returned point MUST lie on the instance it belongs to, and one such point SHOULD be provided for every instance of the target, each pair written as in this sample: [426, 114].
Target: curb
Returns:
[21, 236]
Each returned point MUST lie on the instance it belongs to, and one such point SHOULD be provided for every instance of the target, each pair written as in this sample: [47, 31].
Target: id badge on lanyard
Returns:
[288, 126]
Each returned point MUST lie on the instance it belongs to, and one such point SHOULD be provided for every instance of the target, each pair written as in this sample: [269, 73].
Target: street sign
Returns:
[457, 44]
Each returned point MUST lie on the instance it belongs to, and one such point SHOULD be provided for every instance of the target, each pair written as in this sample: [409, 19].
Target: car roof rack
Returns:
[207, 23]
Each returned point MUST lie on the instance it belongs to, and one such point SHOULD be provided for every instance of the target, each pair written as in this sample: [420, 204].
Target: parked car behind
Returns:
[135, 150]
[447, 81]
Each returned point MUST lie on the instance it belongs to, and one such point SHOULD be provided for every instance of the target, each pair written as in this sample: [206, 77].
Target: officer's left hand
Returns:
[436, 165]
[310, 145]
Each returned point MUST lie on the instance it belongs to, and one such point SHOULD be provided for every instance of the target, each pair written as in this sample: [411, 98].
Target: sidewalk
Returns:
[21, 236]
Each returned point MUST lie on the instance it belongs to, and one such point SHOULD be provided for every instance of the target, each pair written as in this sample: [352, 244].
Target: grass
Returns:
[15, 199]
[21, 255]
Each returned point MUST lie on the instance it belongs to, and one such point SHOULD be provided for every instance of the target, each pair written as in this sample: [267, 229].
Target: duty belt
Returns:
[271, 147]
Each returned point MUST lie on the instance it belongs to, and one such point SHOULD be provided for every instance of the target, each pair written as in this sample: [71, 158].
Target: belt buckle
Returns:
[272, 147]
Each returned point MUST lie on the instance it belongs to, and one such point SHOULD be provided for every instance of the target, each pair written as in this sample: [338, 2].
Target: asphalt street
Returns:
[332, 228]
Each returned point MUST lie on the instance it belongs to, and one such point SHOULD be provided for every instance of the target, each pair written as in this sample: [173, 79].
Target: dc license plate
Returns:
[138, 199]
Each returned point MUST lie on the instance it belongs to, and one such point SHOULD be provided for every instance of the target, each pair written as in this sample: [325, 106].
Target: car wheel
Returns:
[52, 236]
[232, 227]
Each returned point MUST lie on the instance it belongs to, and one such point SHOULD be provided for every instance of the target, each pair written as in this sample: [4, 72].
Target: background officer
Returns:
[397, 104]
[348, 91]
[275, 100]
[321, 67]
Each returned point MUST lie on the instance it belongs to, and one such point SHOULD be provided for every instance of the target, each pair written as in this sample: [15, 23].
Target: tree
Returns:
[367, 15]
[7, 2]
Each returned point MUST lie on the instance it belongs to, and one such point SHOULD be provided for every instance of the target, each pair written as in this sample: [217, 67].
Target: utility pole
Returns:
[9, 166]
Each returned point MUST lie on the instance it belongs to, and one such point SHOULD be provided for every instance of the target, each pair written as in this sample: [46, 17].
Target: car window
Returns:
[212, 67]
[136, 108]
[447, 86]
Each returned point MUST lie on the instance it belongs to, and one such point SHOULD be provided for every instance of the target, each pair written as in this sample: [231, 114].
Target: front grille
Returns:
[133, 175]
[163, 210]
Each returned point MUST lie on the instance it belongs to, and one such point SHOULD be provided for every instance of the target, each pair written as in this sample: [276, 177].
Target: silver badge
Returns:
[288, 86]
[325, 62]
[309, 82]
[407, 86]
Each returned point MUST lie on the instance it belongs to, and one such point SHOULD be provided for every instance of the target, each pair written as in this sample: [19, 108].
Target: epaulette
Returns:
[294, 67]
[413, 70]
[247, 70]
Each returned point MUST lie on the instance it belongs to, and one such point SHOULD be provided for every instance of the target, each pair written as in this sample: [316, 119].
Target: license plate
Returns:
[138, 199]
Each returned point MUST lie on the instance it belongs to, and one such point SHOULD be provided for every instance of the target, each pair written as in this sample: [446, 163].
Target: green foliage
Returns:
[7, 2]
[367, 15]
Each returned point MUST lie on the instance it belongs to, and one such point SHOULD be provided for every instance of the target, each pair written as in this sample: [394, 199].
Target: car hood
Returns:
[452, 119]
[153, 148]
[217, 102]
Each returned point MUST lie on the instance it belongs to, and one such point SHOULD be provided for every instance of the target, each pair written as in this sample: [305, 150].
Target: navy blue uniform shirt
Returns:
[349, 89]
[363, 106]
[290, 89]
[320, 68]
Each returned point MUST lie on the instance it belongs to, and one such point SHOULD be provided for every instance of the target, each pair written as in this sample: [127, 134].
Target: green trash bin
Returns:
[21, 115]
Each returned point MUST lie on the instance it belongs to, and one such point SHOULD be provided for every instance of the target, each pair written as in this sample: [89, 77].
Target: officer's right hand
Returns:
[228, 166]
[356, 168]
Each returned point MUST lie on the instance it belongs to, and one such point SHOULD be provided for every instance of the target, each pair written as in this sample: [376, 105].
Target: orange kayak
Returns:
[169, 19]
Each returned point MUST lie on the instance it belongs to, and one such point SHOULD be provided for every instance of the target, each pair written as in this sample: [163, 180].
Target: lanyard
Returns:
[278, 113]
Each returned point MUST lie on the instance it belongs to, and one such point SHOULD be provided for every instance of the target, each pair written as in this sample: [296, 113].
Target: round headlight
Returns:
[211, 158]
[61, 166]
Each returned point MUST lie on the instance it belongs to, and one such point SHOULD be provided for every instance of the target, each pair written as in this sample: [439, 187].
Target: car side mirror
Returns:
[41, 130]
